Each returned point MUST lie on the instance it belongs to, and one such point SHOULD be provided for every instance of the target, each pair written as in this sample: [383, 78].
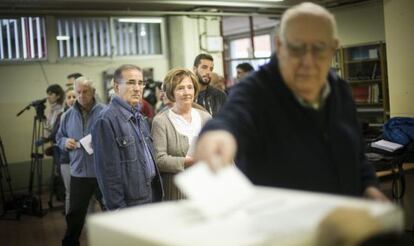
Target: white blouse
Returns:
[188, 129]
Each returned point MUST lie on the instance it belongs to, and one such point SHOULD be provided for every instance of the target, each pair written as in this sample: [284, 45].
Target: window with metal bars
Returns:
[91, 37]
[22, 38]
[83, 37]
[137, 36]
[240, 52]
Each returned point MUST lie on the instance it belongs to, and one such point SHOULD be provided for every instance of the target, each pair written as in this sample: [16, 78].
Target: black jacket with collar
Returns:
[212, 99]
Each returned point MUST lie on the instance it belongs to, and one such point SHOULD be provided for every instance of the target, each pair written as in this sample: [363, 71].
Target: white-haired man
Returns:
[293, 123]
[76, 124]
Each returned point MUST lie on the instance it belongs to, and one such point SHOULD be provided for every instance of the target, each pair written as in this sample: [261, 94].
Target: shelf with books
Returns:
[367, 106]
[376, 108]
[363, 71]
[367, 94]
[364, 67]
[361, 82]
[363, 52]
[364, 60]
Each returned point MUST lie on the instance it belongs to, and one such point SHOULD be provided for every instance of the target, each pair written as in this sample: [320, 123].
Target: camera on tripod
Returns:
[39, 106]
[39, 102]
[32, 203]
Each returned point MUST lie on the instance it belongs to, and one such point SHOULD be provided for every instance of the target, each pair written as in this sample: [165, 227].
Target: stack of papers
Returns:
[386, 145]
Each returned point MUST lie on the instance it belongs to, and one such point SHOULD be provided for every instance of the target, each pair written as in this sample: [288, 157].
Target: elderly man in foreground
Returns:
[293, 123]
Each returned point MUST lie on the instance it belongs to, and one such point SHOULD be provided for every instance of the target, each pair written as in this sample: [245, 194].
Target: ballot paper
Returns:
[386, 145]
[86, 142]
[215, 193]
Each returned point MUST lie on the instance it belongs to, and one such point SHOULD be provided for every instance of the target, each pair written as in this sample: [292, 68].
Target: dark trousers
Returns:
[81, 191]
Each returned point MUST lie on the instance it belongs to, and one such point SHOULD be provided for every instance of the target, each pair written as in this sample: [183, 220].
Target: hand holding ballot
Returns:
[217, 148]
[215, 194]
[70, 144]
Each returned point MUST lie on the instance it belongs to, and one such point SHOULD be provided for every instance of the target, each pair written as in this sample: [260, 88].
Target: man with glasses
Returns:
[293, 124]
[123, 149]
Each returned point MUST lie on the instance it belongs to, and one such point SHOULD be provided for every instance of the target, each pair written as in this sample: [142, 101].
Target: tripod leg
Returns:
[39, 185]
[33, 157]
[33, 203]
[12, 205]
[3, 197]
[6, 169]
[51, 186]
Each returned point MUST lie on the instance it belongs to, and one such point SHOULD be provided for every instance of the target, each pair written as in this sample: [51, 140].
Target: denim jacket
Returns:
[119, 158]
[71, 126]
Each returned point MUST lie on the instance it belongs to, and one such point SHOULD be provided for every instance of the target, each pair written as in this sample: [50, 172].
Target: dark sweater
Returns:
[284, 144]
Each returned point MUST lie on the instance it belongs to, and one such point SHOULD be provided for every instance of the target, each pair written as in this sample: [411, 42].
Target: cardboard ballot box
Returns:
[271, 217]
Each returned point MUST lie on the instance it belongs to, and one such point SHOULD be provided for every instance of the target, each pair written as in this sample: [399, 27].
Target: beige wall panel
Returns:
[362, 23]
[399, 34]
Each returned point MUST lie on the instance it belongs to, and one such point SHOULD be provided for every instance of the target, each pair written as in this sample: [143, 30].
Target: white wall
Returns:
[399, 32]
[184, 33]
[362, 23]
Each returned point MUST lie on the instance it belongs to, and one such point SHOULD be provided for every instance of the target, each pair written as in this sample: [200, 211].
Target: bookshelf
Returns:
[364, 68]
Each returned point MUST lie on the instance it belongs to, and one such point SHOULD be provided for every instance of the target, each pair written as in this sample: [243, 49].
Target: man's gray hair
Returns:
[307, 8]
[84, 81]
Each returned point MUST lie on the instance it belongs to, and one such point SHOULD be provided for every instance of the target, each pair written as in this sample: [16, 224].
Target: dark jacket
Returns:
[212, 99]
[284, 144]
[63, 154]
[120, 159]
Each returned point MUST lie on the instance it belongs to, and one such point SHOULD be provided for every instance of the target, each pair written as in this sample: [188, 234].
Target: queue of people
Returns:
[291, 124]
[128, 157]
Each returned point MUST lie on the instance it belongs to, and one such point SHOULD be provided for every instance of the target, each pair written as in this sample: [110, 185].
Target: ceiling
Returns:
[158, 7]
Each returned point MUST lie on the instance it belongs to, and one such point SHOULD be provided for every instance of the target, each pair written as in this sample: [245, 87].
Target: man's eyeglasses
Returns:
[318, 50]
[131, 83]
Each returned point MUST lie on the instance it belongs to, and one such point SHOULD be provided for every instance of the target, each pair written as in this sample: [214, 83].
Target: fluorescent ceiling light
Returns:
[221, 3]
[62, 38]
[143, 33]
[140, 20]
